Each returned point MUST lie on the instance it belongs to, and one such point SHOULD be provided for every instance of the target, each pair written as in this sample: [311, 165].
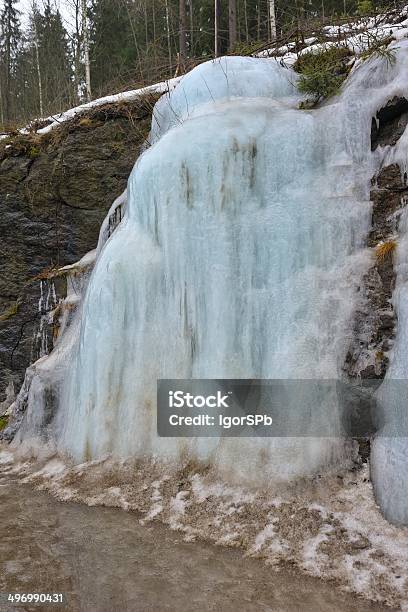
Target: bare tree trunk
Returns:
[154, 34]
[7, 113]
[272, 18]
[300, 11]
[132, 27]
[190, 6]
[168, 33]
[76, 44]
[323, 11]
[146, 20]
[246, 21]
[154, 22]
[183, 33]
[85, 34]
[37, 58]
[258, 31]
[232, 24]
[217, 19]
[2, 106]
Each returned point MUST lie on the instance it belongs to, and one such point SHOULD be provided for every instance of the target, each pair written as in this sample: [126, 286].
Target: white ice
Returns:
[225, 79]
[239, 256]
[389, 456]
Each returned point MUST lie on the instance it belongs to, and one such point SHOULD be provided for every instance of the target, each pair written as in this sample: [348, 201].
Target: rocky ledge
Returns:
[55, 190]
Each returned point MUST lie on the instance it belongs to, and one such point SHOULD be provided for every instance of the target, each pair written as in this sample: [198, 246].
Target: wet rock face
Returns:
[390, 123]
[375, 320]
[374, 325]
[53, 199]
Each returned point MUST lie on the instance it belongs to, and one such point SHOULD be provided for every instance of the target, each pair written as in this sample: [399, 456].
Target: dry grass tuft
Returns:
[87, 122]
[385, 249]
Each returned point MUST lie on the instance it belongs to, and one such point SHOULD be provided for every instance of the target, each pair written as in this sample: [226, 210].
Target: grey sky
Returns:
[63, 5]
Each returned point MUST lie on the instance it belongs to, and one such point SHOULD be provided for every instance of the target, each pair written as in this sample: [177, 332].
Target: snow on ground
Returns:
[357, 37]
[330, 527]
[127, 96]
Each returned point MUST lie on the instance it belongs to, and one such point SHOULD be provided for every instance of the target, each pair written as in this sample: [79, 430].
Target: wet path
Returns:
[103, 560]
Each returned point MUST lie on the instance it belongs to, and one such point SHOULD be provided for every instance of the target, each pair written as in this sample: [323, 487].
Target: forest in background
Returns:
[48, 64]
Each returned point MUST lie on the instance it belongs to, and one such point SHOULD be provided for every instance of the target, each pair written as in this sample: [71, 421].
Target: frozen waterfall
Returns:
[239, 255]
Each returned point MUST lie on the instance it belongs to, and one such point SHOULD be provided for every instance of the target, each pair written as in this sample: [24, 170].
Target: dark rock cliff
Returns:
[375, 321]
[55, 190]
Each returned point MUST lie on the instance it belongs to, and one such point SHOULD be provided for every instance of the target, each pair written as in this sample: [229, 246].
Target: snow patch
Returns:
[331, 529]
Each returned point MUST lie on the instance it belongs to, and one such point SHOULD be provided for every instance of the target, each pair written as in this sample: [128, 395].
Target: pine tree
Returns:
[365, 7]
[112, 47]
[54, 57]
[10, 39]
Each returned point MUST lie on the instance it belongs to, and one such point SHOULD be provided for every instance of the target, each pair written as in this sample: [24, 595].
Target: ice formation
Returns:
[238, 254]
[389, 457]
